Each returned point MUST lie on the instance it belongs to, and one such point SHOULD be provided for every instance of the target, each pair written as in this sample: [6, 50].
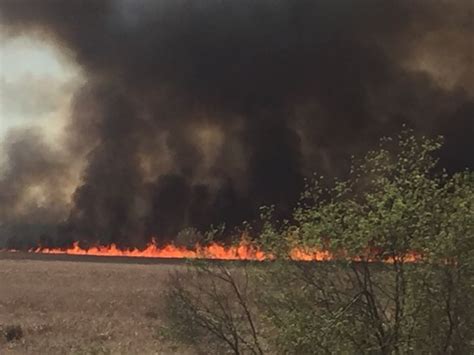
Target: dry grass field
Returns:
[67, 306]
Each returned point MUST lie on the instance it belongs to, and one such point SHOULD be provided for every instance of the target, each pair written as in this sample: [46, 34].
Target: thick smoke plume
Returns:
[197, 112]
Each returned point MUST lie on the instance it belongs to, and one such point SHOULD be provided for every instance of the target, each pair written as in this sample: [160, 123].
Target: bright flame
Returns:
[242, 251]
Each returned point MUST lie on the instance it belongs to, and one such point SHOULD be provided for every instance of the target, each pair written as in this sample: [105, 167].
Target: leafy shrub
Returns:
[401, 278]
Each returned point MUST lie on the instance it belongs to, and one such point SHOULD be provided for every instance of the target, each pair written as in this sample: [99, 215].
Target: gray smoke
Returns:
[198, 112]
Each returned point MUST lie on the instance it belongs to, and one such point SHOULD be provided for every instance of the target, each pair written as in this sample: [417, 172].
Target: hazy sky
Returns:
[36, 86]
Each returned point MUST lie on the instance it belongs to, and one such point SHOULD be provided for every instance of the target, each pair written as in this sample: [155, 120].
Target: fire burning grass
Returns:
[244, 251]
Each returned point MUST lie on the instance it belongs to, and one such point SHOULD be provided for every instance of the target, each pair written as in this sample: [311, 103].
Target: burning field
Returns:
[323, 146]
[128, 120]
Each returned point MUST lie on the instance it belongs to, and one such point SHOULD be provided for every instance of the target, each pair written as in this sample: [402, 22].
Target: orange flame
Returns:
[243, 251]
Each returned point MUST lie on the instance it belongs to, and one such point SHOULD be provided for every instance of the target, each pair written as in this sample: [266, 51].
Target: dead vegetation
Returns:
[60, 307]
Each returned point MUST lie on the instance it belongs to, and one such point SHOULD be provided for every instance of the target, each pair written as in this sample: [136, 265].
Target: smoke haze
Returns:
[197, 112]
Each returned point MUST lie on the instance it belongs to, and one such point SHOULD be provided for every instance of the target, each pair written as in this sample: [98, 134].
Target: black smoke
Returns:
[197, 112]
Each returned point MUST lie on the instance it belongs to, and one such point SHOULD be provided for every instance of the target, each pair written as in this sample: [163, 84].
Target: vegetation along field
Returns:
[398, 277]
[246, 177]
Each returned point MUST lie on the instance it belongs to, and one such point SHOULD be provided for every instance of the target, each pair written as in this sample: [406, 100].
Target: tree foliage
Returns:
[401, 278]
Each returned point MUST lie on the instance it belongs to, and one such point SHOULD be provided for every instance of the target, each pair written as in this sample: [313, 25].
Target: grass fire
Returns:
[236, 177]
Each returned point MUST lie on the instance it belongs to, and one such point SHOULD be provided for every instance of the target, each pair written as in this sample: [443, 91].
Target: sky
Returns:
[36, 86]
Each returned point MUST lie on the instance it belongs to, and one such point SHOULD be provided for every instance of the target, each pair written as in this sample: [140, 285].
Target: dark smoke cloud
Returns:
[33, 187]
[197, 112]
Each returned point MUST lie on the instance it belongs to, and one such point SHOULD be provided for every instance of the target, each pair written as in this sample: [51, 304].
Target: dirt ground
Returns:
[82, 307]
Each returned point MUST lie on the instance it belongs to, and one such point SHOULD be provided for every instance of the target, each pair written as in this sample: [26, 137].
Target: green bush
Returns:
[401, 277]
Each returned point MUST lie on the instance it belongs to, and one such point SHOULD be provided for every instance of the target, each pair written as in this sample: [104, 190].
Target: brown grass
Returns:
[70, 307]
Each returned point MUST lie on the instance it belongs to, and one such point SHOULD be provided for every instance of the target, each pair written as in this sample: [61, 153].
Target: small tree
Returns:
[401, 238]
[212, 308]
[400, 279]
